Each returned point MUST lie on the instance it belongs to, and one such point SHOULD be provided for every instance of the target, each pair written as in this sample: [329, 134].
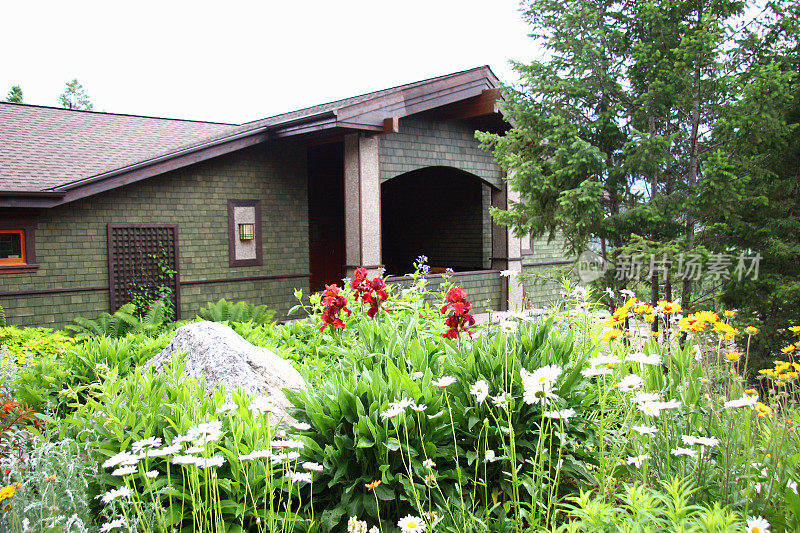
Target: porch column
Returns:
[362, 202]
[500, 243]
[515, 289]
[507, 251]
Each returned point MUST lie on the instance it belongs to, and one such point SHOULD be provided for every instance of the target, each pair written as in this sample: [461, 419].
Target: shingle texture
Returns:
[43, 147]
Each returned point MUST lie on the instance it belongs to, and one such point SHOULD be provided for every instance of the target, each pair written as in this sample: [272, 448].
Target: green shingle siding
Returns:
[71, 240]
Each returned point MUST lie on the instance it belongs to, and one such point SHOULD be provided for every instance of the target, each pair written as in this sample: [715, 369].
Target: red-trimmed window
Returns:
[12, 247]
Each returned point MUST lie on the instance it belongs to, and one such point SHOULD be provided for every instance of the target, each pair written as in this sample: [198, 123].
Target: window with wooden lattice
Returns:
[143, 265]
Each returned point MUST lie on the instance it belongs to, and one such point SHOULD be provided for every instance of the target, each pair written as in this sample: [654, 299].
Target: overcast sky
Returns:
[238, 61]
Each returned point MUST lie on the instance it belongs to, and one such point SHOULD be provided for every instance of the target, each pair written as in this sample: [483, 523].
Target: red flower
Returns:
[9, 406]
[459, 318]
[333, 304]
[370, 291]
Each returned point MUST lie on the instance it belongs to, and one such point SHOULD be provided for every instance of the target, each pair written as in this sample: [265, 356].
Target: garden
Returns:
[415, 419]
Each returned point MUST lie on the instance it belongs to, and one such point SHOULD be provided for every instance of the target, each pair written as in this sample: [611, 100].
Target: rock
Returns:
[223, 357]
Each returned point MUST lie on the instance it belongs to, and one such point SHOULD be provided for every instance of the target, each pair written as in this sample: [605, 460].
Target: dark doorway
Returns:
[326, 214]
[439, 212]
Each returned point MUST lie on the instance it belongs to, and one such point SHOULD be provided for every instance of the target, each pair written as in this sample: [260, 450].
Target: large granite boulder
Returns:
[223, 357]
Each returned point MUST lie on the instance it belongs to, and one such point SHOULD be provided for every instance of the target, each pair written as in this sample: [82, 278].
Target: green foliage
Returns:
[122, 322]
[399, 359]
[75, 97]
[2, 317]
[55, 493]
[106, 421]
[665, 507]
[14, 95]
[224, 311]
[29, 345]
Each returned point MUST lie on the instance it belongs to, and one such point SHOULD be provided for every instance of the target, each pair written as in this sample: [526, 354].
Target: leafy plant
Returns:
[224, 311]
[122, 322]
[34, 343]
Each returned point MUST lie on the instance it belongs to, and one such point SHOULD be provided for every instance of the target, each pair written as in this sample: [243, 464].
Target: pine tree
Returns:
[75, 97]
[14, 95]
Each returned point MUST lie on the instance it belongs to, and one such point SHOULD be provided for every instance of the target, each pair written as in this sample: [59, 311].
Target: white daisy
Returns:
[604, 359]
[302, 426]
[210, 462]
[444, 381]
[596, 371]
[638, 460]
[644, 397]
[202, 434]
[564, 414]
[645, 430]
[683, 451]
[299, 477]
[490, 456]
[745, 401]
[124, 471]
[631, 382]
[314, 467]
[642, 358]
[480, 390]
[288, 443]
[121, 459]
[411, 524]
[757, 525]
[114, 524]
[146, 444]
[151, 474]
[227, 407]
[113, 494]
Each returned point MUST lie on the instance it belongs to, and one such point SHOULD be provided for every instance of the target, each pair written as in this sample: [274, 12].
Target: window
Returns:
[17, 247]
[12, 246]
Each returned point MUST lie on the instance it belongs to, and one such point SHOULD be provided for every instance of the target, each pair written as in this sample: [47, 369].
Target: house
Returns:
[96, 208]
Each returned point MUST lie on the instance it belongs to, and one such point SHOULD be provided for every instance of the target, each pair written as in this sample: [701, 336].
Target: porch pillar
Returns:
[500, 243]
[507, 251]
[515, 290]
[362, 202]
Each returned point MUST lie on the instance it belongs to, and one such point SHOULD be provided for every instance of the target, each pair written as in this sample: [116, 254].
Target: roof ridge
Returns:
[384, 90]
[117, 114]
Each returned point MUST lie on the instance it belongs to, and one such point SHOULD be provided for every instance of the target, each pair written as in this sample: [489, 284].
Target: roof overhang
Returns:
[467, 94]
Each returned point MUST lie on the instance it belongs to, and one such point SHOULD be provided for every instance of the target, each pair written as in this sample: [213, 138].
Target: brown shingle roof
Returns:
[43, 147]
[46, 148]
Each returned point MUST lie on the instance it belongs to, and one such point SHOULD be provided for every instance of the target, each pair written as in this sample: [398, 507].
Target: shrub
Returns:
[122, 322]
[224, 311]
[34, 343]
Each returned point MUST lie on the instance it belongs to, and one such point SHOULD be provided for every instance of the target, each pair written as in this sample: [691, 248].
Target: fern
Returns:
[225, 311]
[121, 323]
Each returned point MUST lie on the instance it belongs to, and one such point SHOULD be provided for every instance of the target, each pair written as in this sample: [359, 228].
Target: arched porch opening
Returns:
[439, 212]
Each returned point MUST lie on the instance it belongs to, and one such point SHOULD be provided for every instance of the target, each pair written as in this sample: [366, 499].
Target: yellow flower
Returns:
[780, 383]
[730, 314]
[726, 331]
[795, 329]
[751, 330]
[654, 333]
[8, 491]
[763, 409]
[792, 375]
[611, 334]
[372, 485]
[788, 349]
[732, 356]
[649, 318]
[669, 307]
[643, 309]
[750, 391]
[705, 380]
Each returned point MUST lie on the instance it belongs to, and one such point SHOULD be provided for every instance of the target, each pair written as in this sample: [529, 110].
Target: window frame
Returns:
[26, 225]
[23, 258]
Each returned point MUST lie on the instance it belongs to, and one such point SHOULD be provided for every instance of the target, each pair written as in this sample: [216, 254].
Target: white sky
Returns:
[237, 61]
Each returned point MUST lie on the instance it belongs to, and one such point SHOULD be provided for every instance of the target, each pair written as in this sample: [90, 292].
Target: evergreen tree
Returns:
[14, 95]
[75, 97]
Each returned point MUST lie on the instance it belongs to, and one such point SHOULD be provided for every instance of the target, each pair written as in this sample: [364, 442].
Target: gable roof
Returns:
[50, 156]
